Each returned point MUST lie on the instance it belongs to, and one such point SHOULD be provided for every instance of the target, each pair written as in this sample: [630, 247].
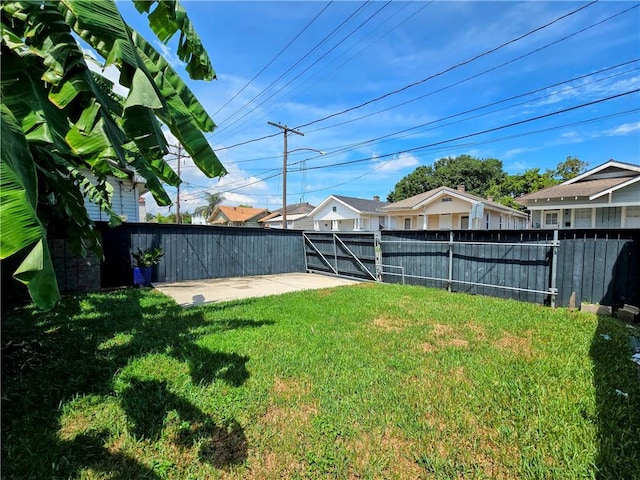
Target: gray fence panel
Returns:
[600, 266]
[341, 253]
[194, 252]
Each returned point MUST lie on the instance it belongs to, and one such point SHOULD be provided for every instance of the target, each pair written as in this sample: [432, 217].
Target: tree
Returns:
[570, 168]
[475, 174]
[213, 200]
[61, 121]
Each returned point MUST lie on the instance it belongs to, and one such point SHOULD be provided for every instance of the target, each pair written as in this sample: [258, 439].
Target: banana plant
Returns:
[67, 131]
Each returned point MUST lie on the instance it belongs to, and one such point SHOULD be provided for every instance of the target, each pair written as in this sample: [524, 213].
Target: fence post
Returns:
[450, 275]
[554, 269]
[377, 247]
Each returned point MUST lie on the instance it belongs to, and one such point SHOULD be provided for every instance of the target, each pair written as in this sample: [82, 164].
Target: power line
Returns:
[445, 71]
[478, 74]
[275, 58]
[458, 65]
[304, 57]
[489, 130]
[343, 148]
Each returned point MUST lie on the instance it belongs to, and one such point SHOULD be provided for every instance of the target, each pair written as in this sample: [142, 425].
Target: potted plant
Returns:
[145, 260]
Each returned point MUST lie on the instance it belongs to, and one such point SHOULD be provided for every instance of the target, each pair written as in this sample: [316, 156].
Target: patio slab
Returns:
[198, 292]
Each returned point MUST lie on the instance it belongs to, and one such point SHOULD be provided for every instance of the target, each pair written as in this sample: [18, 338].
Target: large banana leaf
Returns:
[21, 229]
[72, 122]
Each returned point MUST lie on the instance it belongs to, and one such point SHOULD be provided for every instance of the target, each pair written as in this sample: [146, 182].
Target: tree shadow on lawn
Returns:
[49, 359]
[617, 385]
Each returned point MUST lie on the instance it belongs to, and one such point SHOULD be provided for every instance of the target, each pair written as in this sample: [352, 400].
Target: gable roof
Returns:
[237, 214]
[418, 201]
[358, 205]
[361, 204]
[298, 209]
[605, 178]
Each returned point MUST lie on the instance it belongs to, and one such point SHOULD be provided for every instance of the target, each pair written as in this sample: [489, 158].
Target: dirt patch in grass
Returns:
[443, 336]
[290, 417]
[440, 330]
[267, 463]
[389, 324]
[388, 447]
[519, 345]
[479, 331]
[290, 388]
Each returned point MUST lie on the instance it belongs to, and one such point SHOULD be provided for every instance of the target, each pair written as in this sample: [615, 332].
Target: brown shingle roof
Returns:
[579, 189]
[238, 214]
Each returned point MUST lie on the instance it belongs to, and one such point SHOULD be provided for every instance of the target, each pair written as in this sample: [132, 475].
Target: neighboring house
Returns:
[198, 219]
[297, 217]
[607, 196]
[445, 208]
[237, 216]
[348, 214]
[126, 199]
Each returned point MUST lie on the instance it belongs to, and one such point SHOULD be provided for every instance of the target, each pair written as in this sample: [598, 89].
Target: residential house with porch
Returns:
[237, 216]
[445, 208]
[297, 217]
[607, 196]
[338, 213]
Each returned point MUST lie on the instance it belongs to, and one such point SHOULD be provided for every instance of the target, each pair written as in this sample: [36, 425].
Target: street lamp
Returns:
[285, 131]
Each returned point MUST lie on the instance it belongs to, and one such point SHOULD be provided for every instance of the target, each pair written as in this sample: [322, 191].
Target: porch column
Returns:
[593, 217]
[424, 219]
[623, 216]
[573, 218]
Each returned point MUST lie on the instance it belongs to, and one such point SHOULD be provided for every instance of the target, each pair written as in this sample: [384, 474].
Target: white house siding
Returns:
[124, 202]
[627, 195]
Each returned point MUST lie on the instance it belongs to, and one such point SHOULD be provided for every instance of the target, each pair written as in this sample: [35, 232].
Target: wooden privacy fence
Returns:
[540, 266]
[195, 252]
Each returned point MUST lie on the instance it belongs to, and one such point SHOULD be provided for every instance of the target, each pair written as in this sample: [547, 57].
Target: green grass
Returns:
[370, 381]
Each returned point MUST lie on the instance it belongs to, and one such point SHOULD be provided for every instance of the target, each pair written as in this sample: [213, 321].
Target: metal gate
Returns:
[348, 254]
[508, 264]
[520, 265]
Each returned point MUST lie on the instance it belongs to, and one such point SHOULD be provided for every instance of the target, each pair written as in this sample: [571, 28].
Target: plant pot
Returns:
[142, 276]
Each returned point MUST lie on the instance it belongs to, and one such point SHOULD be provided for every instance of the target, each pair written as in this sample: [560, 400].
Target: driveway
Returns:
[197, 292]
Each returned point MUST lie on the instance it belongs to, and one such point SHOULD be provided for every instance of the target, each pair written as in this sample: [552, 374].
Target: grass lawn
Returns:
[369, 381]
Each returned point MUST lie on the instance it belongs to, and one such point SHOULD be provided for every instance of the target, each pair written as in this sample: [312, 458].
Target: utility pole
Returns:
[178, 187]
[286, 131]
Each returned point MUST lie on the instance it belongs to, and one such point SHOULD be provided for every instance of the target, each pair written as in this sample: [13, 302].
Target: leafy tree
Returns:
[185, 218]
[61, 121]
[570, 168]
[213, 200]
[475, 174]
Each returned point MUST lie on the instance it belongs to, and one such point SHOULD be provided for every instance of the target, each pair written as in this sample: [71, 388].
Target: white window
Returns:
[334, 209]
[551, 219]
[583, 214]
[407, 224]
[500, 222]
[633, 211]
[488, 218]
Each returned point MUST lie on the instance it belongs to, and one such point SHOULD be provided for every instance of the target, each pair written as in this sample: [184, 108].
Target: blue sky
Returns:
[404, 84]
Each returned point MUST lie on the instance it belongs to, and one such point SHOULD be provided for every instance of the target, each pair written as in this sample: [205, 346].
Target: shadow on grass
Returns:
[617, 383]
[49, 359]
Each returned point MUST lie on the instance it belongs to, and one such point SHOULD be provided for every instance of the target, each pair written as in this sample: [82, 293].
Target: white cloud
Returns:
[398, 162]
[624, 129]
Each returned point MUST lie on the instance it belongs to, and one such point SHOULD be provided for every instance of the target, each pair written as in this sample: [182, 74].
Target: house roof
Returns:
[598, 181]
[237, 214]
[298, 209]
[419, 200]
[361, 204]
